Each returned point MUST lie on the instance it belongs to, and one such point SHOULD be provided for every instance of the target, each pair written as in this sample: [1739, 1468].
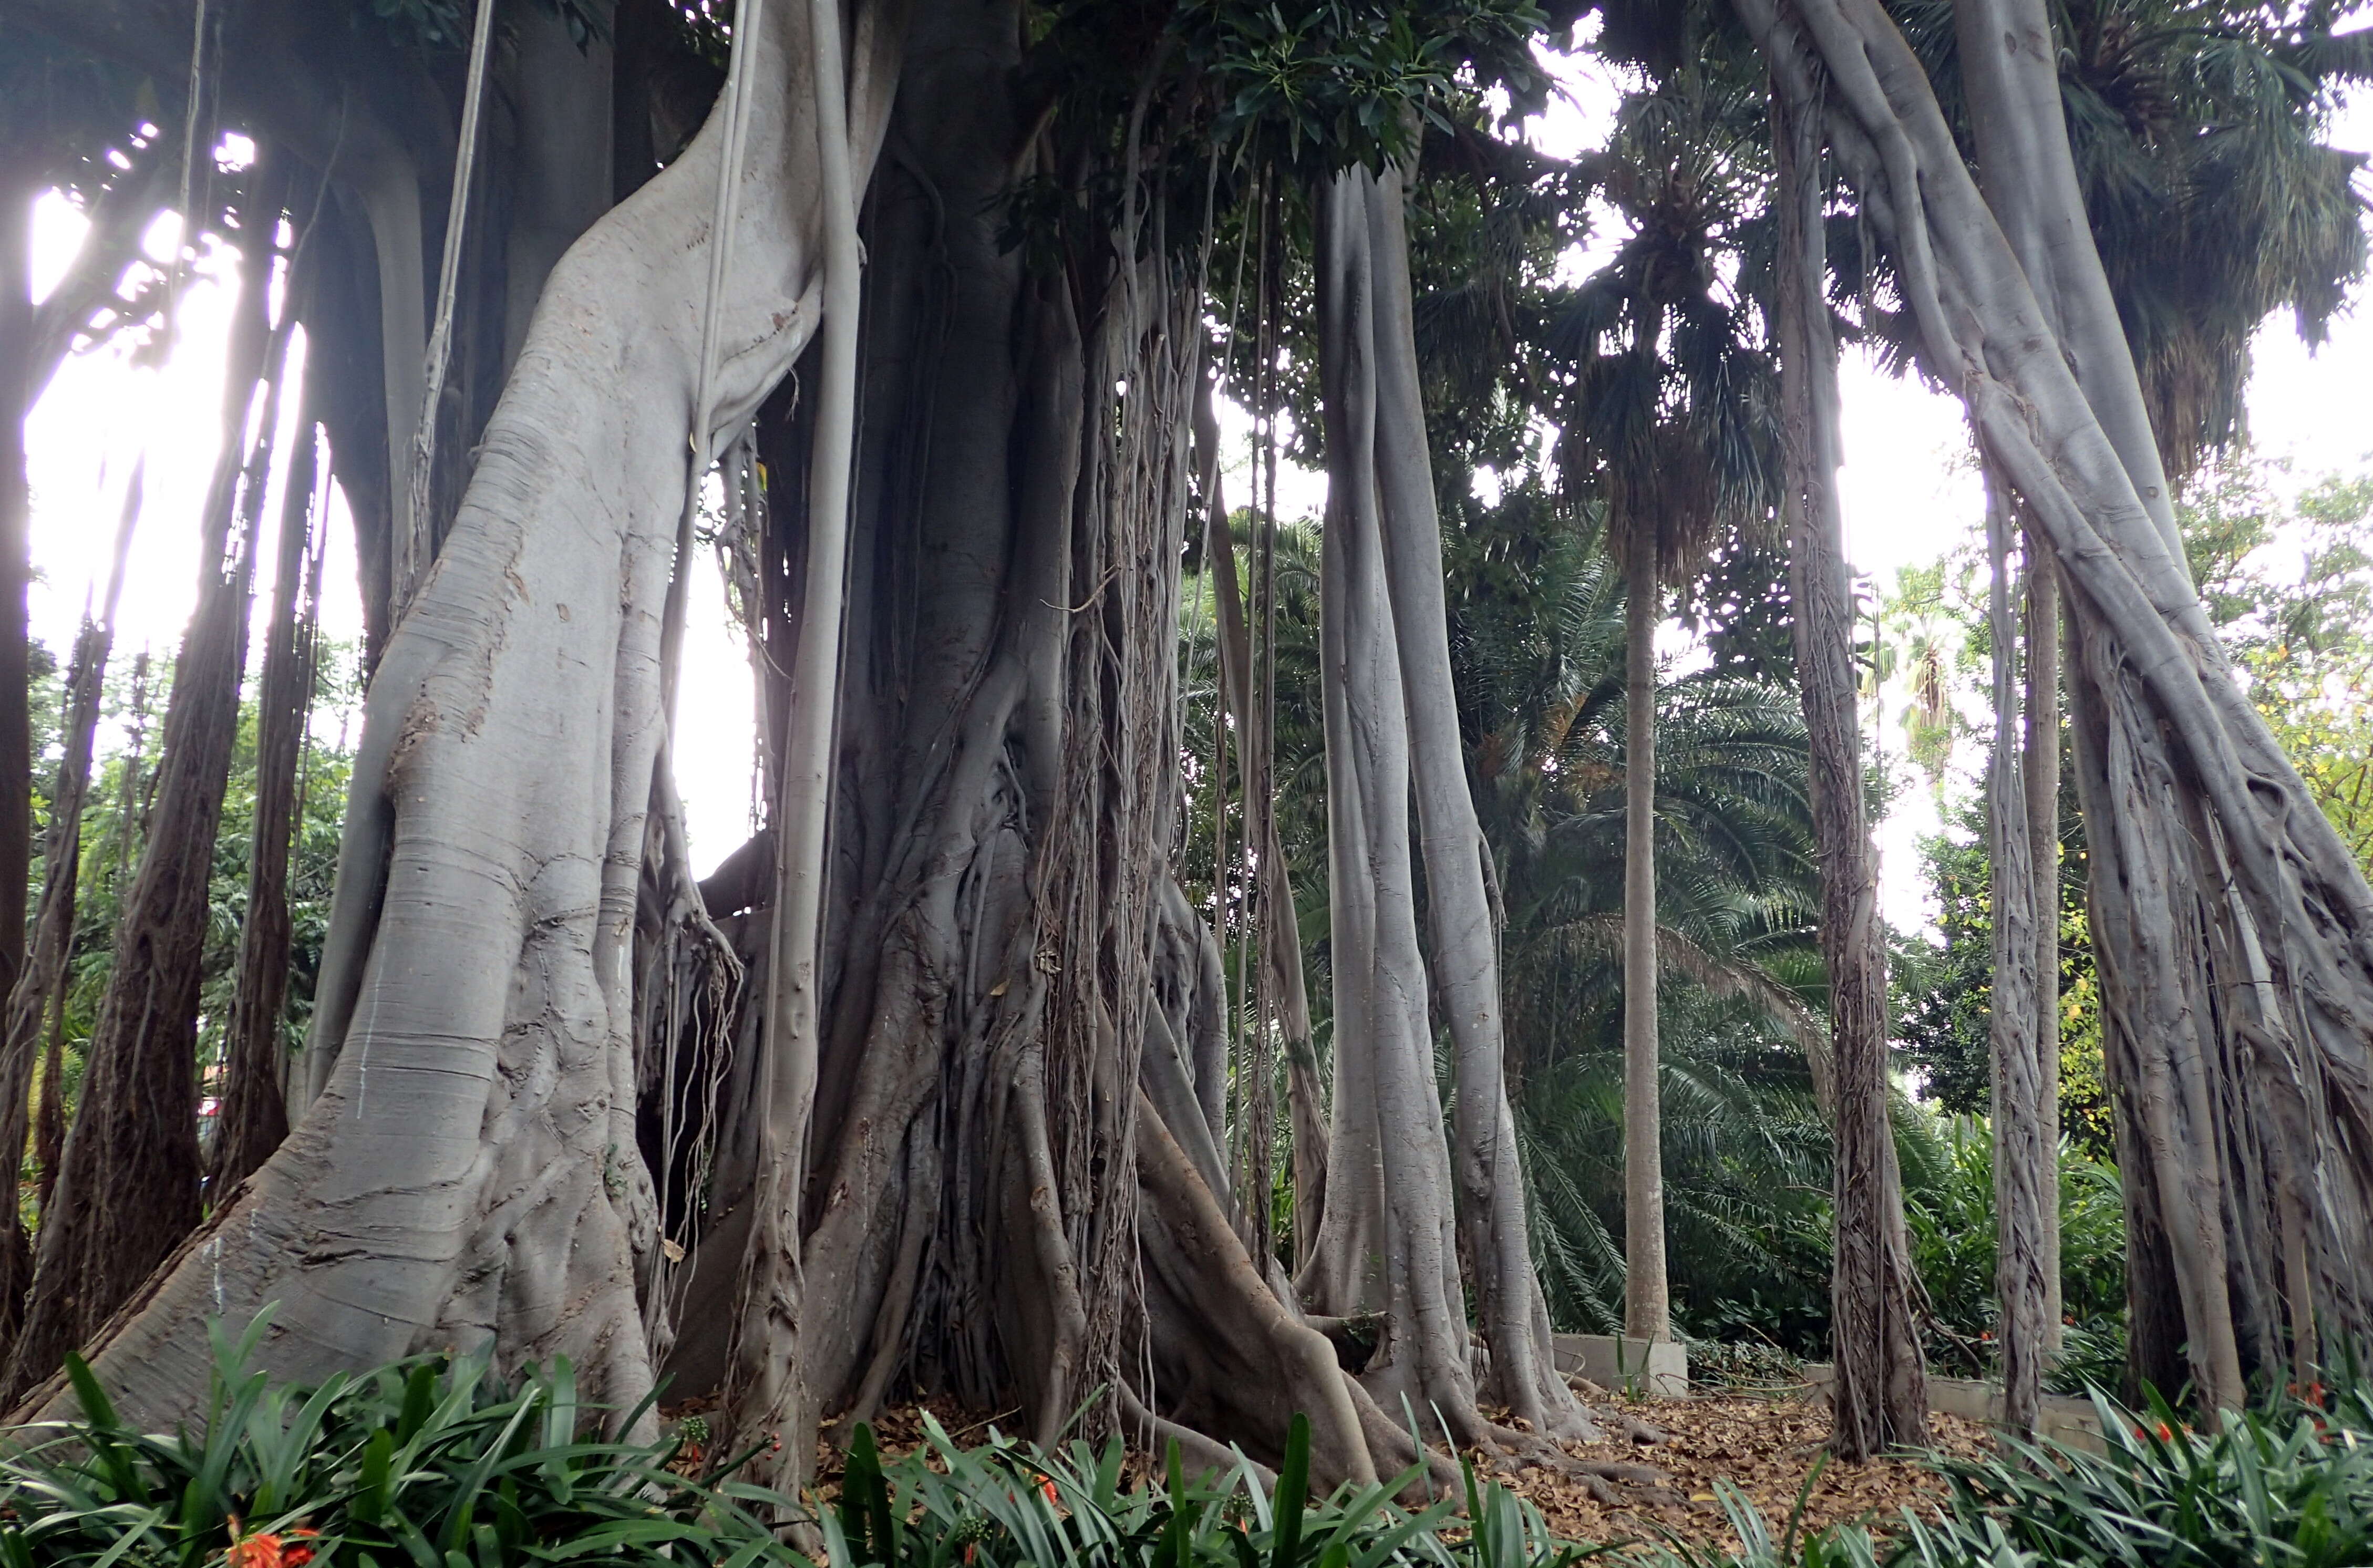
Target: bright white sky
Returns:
[1908, 496]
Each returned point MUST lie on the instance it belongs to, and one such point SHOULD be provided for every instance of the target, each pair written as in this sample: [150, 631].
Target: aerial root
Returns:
[1196, 1450]
[1632, 1427]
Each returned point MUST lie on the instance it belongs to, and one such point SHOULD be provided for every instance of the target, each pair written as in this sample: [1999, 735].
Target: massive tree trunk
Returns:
[254, 1118]
[1011, 1189]
[2023, 1161]
[1647, 1301]
[2235, 932]
[468, 1173]
[1389, 1243]
[127, 1186]
[1880, 1398]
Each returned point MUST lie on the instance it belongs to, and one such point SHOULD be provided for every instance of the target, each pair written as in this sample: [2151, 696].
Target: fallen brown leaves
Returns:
[1763, 1445]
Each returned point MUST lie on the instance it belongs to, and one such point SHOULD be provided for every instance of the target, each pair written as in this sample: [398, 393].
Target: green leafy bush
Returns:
[2292, 1487]
[431, 1464]
[423, 1464]
[1008, 1504]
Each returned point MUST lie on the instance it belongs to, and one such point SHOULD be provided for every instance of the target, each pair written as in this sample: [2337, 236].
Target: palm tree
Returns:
[1665, 421]
[1540, 652]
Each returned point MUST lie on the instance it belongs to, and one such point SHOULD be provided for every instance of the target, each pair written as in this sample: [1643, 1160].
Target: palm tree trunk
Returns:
[1881, 1395]
[1647, 1301]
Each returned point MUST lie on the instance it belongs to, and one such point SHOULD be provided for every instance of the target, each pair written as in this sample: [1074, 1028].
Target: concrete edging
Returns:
[2065, 1419]
[1660, 1367]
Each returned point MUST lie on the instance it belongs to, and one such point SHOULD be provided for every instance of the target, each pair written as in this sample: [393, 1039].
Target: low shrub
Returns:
[432, 1464]
[424, 1464]
[2290, 1487]
[1006, 1504]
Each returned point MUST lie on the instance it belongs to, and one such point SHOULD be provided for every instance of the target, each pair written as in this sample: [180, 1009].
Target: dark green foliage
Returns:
[1337, 82]
[423, 1464]
[1949, 1184]
[1008, 1504]
[430, 1464]
[1941, 990]
[2290, 1486]
[1747, 1165]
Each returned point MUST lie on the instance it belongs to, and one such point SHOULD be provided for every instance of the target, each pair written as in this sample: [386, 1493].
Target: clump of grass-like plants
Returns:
[2288, 1485]
[433, 1463]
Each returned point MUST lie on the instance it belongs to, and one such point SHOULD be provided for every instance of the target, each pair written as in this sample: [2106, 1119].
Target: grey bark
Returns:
[2040, 766]
[1647, 1302]
[1388, 1244]
[19, 324]
[2235, 930]
[1881, 1393]
[2023, 1160]
[467, 1175]
[768, 1394]
[560, 100]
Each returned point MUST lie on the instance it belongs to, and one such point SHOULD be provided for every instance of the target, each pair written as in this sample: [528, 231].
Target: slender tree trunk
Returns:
[1388, 1244]
[127, 1189]
[1647, 1302]
[254, 1117]
[2022, 1159]
[1881, 1398]
[768, 1394]
[2040, 768]
[1463, 945]
[18, 329]
[1305, 1101]
[16, 505]
[35, 1005]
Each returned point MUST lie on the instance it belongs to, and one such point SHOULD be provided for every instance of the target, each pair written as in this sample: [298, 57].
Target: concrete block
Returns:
[1657, 1368]
[2065, 1419]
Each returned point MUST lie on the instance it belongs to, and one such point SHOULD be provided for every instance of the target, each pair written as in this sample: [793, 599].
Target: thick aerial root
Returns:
[1252, 1365]
[1196, 1451]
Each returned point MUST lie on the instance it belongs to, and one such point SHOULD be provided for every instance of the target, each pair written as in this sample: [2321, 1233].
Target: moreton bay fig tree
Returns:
[917, 1092]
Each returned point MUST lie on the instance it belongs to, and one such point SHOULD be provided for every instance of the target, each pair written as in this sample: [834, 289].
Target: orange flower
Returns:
[1046, 1485]
[265, 1549]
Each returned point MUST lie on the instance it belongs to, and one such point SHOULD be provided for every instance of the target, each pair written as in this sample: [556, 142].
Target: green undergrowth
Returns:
[2283, 1488]
[432, 1464]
